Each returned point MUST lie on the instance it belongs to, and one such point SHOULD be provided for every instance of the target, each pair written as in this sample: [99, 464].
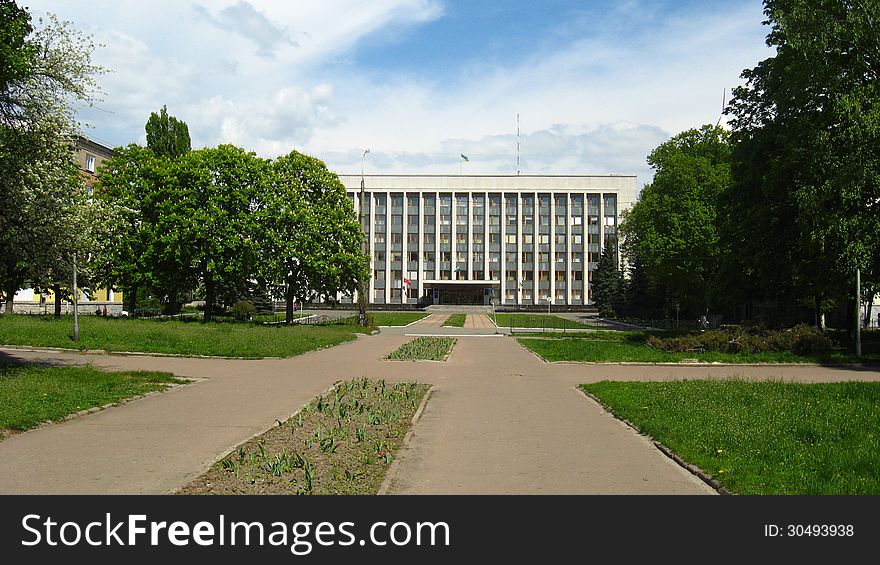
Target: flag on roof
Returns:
[464, 157]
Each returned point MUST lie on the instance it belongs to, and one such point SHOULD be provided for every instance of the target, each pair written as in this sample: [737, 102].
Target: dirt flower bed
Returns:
[424, 348]
[341, 442]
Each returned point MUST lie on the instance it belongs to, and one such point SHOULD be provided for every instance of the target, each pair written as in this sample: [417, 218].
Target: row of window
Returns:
[478, 256]
[377, 204]
[445, 238]
[462, 220]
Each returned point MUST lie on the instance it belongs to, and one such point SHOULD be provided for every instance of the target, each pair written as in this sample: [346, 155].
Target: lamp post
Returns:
[75, 307]
[858, 312]
[363, 288]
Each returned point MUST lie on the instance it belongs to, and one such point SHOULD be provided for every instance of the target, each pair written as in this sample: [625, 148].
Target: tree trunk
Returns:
[209, 298]
[56, 294]
[131, 299]
[10, 297]
[288, 304]
[817, 313]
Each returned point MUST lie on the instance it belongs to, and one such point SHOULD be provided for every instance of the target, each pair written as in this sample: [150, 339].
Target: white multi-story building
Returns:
[468, 239]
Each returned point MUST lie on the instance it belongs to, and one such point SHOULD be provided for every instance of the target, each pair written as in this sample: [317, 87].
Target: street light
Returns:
[363, 288]
[75, 306]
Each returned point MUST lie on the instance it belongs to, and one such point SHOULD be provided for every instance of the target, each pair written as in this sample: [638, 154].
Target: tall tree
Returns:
[640, 296]
[672, 228]
[128, 186]
[608, 282]
[16, 54]
[39, 174]
[166, 135]
[804, 212]
[46, 70]
[206, 227]
[43, 72]
[312, 239]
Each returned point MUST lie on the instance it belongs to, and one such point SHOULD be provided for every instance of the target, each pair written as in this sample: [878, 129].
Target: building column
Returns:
[404, 259]
[551, 270]
[502, 254]
[453, 217]
[388, 247]
[420, 230]
[371, 244]
[568, 229]
[437, 236]
[486, 235]
[517, 296]
[535, 282]
[470, 236]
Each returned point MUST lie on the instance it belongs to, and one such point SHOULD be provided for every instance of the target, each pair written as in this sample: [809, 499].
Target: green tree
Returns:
[16, 54]
[166, 135]
[312, 240]
[40, 177]
[803, 212]
[128, 188]
[672, 228]
[609, 285]
[206, 230]
[640, 296]
[43, 73]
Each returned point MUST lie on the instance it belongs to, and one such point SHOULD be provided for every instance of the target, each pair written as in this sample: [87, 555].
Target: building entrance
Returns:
[461, 295]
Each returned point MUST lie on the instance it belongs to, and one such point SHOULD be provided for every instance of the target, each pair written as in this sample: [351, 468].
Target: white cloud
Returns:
[272, 76]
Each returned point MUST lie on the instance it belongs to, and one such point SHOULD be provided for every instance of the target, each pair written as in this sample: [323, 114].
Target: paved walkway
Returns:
[500, 421]
[430, 321]
[478, 321]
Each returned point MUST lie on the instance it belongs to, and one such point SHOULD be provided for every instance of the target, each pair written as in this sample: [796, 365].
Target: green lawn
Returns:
[537, 321]
[32, 395]
[762, 437]
[455, 321]
[611, 346]
[396, 318]
[172, 336]
[424, 348]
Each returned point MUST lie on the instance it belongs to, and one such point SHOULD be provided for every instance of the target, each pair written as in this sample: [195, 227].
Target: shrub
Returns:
[800, 340]
[243, 310]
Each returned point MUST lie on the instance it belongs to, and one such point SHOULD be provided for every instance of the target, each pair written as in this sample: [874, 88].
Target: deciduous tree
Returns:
[805, 209]
[312, 244]
[672, 228]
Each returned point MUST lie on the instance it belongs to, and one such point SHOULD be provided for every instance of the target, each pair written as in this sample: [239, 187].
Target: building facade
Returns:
[511, 240]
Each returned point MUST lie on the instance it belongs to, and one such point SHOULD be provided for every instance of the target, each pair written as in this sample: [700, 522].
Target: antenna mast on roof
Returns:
[517, 143]
[723, 103]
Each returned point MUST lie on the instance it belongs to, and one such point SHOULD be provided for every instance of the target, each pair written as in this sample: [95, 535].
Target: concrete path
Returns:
[478, 321]
[430, 321]
[500, 421]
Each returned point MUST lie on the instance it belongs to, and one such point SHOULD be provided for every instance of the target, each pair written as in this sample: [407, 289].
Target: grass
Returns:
[32, 395]
[762, 437]
[252, 341]
[424, 348]
[396, 318]
[609, 346]
[455, 321]
[340, 443]
[535, 321]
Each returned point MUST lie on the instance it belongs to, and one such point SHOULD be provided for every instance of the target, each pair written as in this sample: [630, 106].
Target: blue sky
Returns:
[597, 84]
